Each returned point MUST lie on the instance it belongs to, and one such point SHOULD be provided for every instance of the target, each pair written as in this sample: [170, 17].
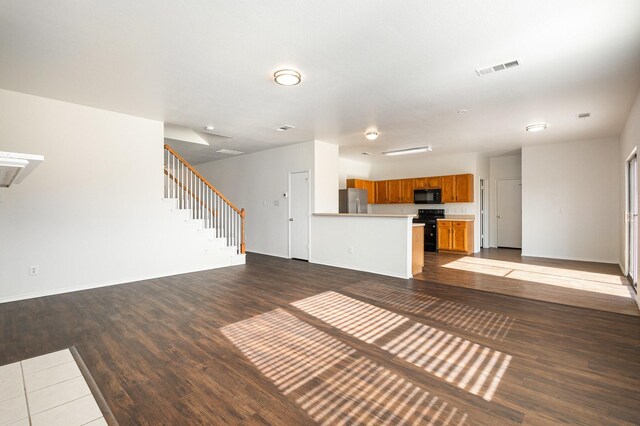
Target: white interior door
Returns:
[509, 215]
[299, 215]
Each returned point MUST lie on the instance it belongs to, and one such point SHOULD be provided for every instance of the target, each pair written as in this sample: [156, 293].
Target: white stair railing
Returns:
[192, 191]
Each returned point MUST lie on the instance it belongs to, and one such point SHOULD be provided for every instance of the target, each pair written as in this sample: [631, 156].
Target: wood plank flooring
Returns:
[285, 342]
[590, 285]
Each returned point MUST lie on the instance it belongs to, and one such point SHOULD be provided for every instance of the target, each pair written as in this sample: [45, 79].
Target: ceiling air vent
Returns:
[584, 115]
[495, 68]
[285, 128]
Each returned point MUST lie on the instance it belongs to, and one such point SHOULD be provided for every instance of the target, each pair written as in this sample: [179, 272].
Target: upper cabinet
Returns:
[394, 190]
[455, 188]
[434, 182]
[381, 192]
[369, 185]
[420, 183]
[408, 186]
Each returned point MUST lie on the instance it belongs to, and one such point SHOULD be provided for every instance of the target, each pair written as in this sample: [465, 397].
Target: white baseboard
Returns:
[53, 292]
[579, 259]
[356, 268]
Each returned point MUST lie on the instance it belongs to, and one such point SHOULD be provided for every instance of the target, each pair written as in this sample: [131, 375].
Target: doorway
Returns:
[299, 215]
[483, 228]
[509, 213]
[632, 220]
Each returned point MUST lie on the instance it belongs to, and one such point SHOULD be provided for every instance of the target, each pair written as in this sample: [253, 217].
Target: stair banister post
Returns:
[242, 247]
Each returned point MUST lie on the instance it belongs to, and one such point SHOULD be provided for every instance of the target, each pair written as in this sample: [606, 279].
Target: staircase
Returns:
[205, 209]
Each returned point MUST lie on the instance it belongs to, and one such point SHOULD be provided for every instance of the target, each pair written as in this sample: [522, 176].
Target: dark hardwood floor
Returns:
[590, 285]
[286, 342]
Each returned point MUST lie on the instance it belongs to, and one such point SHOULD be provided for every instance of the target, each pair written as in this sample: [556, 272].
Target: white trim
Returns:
[53, 292]
[372, 271]
[579, 259]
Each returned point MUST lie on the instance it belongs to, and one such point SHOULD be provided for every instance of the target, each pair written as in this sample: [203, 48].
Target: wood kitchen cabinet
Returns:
[369, 185]
[394, 191]
[445, 232]
[420, 183]
[381, 192]
[457, 188]
[407, 191]
[455, 236]
[434, 182]
[448, 189]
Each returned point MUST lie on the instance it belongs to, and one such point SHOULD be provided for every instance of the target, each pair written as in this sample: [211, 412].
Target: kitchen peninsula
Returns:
[378, 243]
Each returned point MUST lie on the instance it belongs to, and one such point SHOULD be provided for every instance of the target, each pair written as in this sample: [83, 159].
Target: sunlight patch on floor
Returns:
[478, 321]
[463, 363]
[286, 350]
[561, 277]
[330, 380]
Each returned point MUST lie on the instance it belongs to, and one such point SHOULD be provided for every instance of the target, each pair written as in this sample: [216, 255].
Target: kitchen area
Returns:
[426, 229]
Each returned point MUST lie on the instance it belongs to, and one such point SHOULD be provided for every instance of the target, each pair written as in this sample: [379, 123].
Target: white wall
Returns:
[571, 200]
[257, 183]
[629, 141]
[381, 245]
[351, 169]
[92, 213]
[505, 167]
[326, 171]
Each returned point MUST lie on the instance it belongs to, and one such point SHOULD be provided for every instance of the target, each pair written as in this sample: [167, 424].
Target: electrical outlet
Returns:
[34, 270]
[350, 250]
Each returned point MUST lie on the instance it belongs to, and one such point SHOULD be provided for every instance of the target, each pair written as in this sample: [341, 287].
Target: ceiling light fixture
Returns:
[209, 128]
[462, 111]
[409, 151]
[538, 127]
[287, 77]
[372, 135]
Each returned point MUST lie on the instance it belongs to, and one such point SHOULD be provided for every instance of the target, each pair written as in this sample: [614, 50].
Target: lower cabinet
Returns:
[455, 236]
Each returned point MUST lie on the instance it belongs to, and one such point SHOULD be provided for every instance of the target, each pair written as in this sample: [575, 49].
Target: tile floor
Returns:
[47, 390]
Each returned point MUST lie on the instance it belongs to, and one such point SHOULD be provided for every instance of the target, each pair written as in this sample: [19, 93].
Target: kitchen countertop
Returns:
[418, 224]
[459, 219]
[366, 215]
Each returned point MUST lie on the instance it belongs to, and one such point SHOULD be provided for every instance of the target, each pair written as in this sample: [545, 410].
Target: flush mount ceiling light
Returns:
[209, 128]
[287, 77]
[372, 135]
[538, 127]
[409, 151]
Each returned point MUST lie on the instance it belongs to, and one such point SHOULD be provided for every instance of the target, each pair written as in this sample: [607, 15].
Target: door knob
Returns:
[498, 216]
[290, 219]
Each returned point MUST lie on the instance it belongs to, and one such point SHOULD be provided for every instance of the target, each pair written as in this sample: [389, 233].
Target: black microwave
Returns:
[427, 196]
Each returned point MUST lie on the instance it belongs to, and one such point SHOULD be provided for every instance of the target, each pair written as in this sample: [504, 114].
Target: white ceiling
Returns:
[404, 68]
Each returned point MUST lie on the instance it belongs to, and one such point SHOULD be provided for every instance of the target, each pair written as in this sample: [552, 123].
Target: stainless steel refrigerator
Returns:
[353, 200]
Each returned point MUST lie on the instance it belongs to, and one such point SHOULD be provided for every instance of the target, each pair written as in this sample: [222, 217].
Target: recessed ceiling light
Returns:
[366, 153]
[287, 77]
[538, 127]
[209, 128]
[409, 151]
[285, 128]
[372, 135]
[462, 111]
